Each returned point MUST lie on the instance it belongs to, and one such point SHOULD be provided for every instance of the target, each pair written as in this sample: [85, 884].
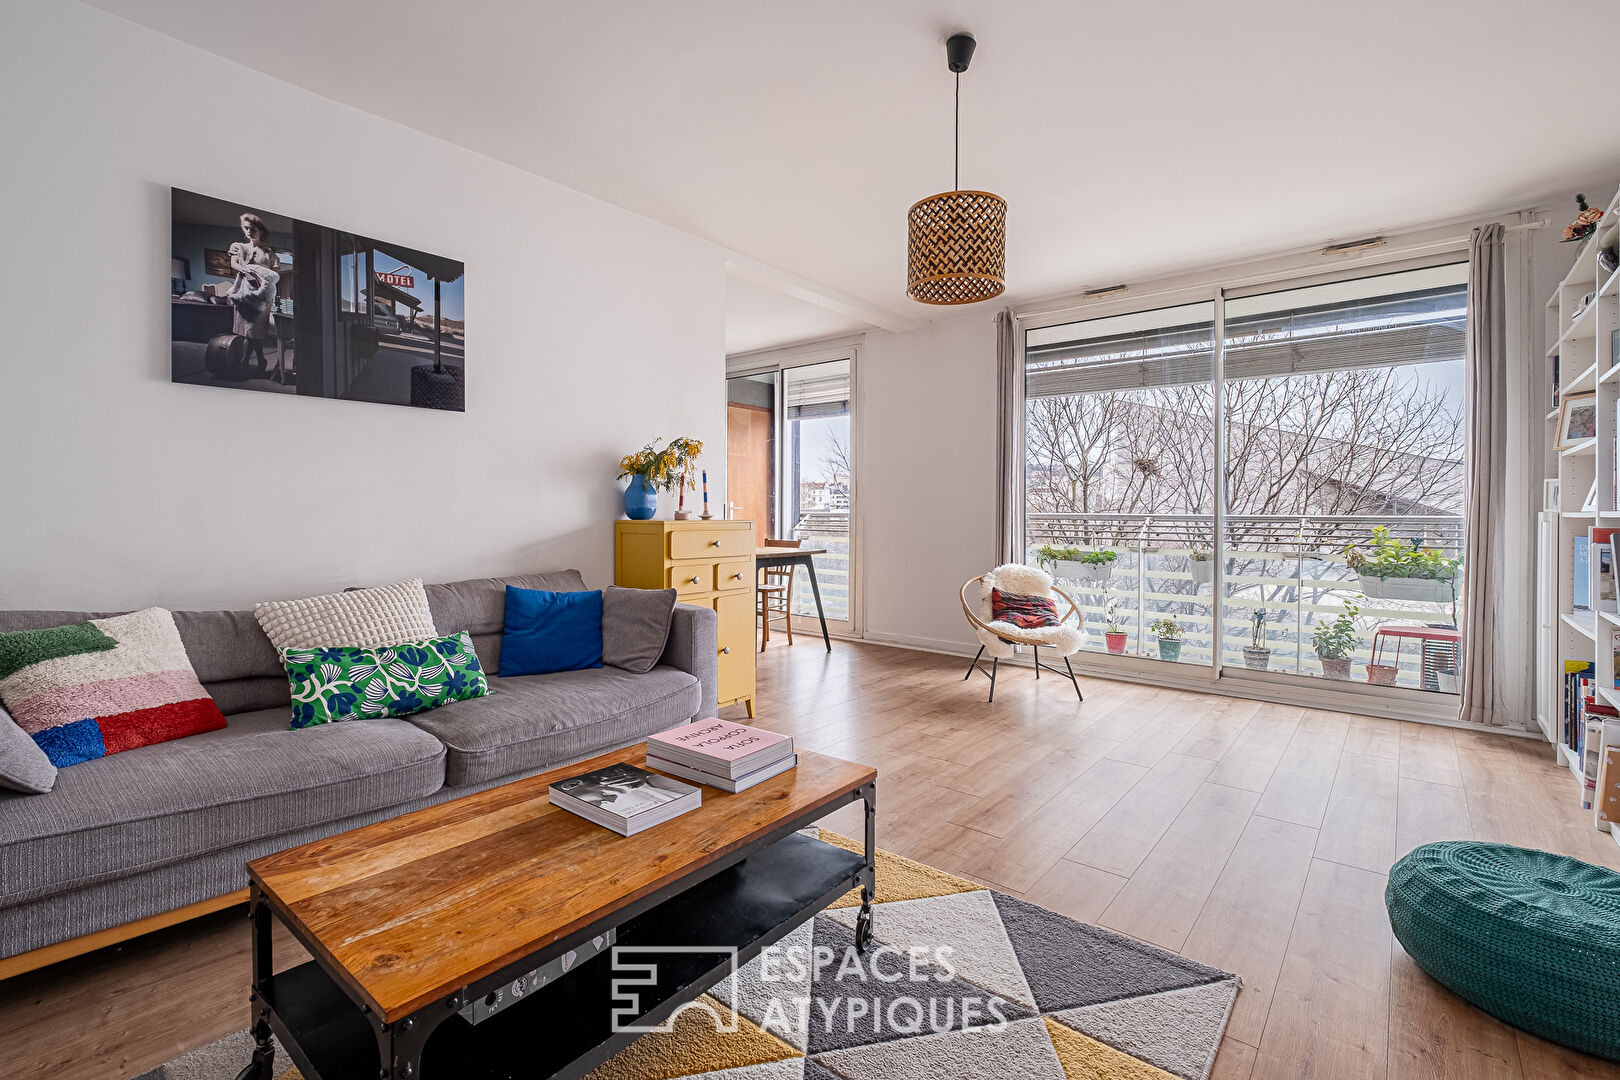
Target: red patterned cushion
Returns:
[1025, 612]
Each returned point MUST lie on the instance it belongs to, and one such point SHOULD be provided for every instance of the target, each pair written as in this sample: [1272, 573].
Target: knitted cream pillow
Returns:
[362, 618]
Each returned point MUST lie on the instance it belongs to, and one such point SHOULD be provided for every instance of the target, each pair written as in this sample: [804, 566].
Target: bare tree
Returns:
[835, 460]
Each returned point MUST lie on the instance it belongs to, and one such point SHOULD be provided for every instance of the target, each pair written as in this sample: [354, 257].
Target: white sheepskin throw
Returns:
[1028, 581]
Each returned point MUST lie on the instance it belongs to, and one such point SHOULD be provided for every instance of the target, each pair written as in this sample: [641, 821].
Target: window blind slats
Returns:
[1427, 326]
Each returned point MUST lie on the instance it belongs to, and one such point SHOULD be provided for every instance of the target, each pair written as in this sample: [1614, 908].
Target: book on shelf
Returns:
[624, 798]
[1580, 574]
[724, 783]
[721, 748]
[1577, 674]
[1596, 718]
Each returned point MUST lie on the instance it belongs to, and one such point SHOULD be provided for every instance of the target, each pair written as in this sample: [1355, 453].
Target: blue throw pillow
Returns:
[550, 631]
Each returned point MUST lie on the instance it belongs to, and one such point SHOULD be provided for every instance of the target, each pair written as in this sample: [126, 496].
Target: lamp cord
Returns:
[956, 144]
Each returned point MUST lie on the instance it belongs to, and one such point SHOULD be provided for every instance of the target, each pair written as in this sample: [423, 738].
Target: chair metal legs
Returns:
[995, 665]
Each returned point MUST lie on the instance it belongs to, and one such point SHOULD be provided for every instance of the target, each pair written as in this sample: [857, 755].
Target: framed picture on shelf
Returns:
[1601, 554]
[1577, 419]
[1614, 347]
[1554, 366]
[1551, 493]
[1591, 497]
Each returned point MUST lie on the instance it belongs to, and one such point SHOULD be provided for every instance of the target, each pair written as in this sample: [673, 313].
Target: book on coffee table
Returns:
[724, 783]
[722, 748]
[624, 798]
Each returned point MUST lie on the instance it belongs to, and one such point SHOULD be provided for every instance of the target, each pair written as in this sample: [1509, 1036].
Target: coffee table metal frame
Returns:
[400, 1044]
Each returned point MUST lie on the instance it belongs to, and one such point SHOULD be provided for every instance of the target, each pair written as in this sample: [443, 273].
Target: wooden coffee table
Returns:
[410, 919]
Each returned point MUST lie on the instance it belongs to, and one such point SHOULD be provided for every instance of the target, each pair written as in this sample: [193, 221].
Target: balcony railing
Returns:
[1292, 567]
[827, 529]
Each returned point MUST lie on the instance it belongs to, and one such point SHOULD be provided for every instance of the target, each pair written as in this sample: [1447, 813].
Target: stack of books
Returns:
[624, 798]
[721, 753]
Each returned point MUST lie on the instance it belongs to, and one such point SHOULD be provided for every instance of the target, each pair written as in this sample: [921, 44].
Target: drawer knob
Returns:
[714, 543]
[736, 577]
[695, 580]
[726, 650]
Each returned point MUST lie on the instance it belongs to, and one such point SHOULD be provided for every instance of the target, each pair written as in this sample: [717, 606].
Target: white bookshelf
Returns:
[1578, 334]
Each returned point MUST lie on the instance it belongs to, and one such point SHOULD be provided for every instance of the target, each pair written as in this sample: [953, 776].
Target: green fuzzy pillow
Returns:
[348, 683]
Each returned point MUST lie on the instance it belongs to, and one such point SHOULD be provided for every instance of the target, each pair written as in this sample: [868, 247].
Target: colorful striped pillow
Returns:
[95, 688]
[1023, 611]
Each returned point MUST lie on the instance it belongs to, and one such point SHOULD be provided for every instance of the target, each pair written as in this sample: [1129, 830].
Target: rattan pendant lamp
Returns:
[956, 247]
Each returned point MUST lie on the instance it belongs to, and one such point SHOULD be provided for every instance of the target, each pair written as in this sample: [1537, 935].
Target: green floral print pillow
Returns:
[348, 683]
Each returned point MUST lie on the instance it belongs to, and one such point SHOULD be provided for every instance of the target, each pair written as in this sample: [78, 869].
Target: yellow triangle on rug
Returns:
[898, 878]
[1087, 1059]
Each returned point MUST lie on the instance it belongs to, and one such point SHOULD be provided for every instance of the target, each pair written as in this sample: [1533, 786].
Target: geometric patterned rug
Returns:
[962, 982]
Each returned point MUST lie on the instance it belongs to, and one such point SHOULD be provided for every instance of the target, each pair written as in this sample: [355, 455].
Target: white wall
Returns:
[590, 330]
[926, 461]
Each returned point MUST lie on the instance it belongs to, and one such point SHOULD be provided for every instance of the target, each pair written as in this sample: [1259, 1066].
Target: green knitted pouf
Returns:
[1530, 937]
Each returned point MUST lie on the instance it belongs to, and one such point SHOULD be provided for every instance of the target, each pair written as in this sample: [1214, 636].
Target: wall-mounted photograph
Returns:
[262, 301]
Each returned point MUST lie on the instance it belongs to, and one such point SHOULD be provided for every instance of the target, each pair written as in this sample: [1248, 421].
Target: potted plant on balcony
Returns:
[1335, 642]
[1114, 630]
[1201, 562]
[1097, 567]
[1169, 632]
[1064, 561]
[1257, 654]
[1393, 569]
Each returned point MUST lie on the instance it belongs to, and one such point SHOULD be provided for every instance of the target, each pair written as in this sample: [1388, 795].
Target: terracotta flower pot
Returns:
[1116, 642]
[1335, 668]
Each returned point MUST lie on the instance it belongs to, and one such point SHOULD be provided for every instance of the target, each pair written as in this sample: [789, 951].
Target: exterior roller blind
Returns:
[1421, 326]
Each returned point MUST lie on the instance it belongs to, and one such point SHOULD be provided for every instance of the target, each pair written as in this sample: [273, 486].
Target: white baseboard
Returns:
[920, 644]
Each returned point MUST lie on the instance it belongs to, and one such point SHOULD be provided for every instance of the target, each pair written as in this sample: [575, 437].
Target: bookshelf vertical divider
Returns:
[1580, 359]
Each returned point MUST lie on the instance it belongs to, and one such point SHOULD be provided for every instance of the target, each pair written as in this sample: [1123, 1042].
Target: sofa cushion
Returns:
[551, 631]
[478, 606]
[23, 765]
[104, 686]
[534, 721]
[346, 684]
[635, 626]
[158, 804]
[367, 618]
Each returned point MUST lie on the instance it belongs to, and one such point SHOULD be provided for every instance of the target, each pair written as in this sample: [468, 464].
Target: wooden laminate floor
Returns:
[1255, 837]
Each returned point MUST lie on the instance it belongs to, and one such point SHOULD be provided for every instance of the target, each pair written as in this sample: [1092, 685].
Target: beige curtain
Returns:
[1485, 512]
[1009, 442]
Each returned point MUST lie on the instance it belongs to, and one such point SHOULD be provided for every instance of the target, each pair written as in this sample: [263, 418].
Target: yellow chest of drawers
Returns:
[709, 564]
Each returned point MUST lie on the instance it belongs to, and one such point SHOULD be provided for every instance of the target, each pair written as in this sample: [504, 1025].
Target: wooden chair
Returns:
[775, 594]
[1003, 638]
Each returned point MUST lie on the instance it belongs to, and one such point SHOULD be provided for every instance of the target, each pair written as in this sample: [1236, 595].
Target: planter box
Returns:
[1427, 590]
[1097, 574]
[1256, 659]
[1381, 674]
[1203, 573]
[1067, 570]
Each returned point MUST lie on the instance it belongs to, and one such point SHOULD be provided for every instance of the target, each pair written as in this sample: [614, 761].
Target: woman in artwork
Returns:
[253, 294]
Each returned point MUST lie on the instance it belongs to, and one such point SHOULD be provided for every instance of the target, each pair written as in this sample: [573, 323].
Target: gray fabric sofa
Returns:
[147, 831]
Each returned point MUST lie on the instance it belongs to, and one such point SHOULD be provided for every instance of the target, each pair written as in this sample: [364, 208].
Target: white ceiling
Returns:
[1129, 138]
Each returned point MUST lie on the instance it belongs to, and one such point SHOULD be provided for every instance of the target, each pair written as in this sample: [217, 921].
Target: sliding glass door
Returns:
[790, 463]
[1316, 531]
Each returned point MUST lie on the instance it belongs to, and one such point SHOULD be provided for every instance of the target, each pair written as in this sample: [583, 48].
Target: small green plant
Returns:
[1167, 629]
[1337, 640]
[1046, 555]
[1388, 557]
[1200, 554]
[1111, 619]
[1099, 558]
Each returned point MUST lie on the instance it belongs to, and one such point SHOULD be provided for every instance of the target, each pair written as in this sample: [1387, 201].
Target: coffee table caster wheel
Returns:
[863, 931]
[260, 1067]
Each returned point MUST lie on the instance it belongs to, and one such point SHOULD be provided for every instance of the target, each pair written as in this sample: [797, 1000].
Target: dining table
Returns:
[776, 557]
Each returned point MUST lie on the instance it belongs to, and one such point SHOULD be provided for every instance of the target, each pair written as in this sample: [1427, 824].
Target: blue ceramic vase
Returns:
[640, 499]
